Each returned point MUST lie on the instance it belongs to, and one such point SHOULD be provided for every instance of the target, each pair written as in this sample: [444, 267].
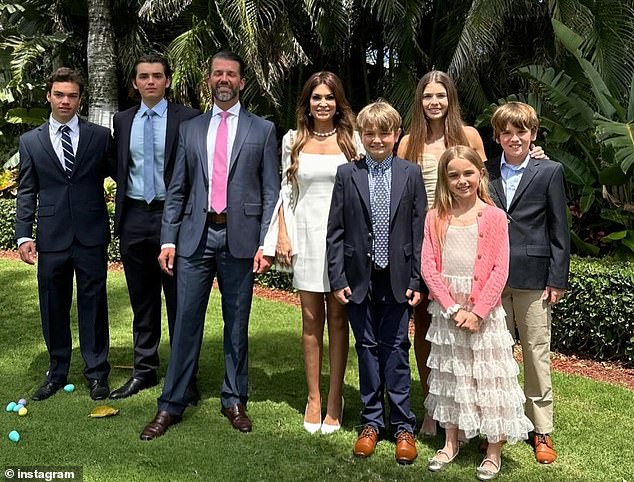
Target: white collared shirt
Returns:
[232, 128]
[56, 136]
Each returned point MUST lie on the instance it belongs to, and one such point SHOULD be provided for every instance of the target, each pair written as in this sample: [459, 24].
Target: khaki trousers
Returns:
[530, 315]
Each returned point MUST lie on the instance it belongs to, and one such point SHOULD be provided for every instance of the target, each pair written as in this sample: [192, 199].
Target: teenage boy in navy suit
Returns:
[532, 192]
[374, 242]
[63, 164]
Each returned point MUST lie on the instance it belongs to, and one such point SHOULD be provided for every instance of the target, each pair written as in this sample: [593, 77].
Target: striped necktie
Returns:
[67, 146]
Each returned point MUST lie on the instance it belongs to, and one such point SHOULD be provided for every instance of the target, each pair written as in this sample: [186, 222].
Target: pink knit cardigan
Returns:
[491, 265]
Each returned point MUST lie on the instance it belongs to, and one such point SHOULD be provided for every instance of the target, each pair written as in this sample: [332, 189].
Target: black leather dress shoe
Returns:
[192, 395]
[157, 427]
[99, 389]
[46, 390]
[238, 417]
[132, 387]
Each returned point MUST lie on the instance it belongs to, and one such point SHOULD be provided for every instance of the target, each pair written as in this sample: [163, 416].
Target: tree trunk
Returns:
[102, 64]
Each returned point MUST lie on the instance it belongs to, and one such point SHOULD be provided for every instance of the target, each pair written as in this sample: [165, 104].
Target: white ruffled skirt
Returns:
[473, 381]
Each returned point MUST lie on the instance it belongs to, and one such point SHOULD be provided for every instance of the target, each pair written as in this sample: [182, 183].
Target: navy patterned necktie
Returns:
[380, 215]
[67, 146]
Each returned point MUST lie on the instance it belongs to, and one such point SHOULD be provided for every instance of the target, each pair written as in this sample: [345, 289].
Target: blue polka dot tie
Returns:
[380, 215]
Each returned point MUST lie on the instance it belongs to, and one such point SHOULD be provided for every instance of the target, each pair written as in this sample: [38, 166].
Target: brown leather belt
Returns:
[215, 218]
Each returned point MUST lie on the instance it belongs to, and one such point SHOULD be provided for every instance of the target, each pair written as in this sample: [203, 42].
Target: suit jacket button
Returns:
[479, 256]
[472, 299]
[369, 255]
[475, 278]
[482, 235]
[480, 214]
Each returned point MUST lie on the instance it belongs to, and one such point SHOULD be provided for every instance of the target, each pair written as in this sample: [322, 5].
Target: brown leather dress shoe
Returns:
[544, 451]
[405, 447]
[366, 442]
[157, 427]
[238, 417]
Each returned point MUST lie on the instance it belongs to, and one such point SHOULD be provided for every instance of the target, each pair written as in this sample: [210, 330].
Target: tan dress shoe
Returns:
[366, 442]
[405, 447]
[157, 427]
[544, 451]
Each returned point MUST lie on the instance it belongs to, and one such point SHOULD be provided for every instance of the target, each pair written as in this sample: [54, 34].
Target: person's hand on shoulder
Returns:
[537, 152]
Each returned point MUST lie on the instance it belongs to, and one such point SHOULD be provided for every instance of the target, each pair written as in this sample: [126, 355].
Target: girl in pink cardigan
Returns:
[473, 381]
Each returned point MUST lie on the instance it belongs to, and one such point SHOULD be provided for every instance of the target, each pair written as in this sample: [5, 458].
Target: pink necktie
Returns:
[219, 174]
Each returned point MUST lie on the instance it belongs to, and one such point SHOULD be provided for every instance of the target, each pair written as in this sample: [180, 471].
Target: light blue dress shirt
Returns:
[135, 172]
[511, 177]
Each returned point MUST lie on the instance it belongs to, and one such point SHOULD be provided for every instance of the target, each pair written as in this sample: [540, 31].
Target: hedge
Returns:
[7, 229]
[595, 319]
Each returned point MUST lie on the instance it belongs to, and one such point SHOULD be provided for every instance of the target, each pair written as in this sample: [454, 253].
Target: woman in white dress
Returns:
[324, 139]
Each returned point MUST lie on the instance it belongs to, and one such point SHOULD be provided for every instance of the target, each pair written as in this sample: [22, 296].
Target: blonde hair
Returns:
[343, 120]
[518, 114]
[379, 115]
[421, 130]
[443, 203]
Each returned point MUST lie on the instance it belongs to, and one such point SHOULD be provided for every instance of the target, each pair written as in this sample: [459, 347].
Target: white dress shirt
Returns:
[56, 136]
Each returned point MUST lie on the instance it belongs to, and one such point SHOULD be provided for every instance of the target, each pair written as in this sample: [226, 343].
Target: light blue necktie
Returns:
[380, 207]
[149, 192]
[67, 146]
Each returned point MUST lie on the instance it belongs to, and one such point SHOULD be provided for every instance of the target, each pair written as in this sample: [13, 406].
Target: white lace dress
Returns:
[473, 380]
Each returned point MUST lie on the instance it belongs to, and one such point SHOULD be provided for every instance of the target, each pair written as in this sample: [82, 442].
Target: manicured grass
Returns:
[594, 421]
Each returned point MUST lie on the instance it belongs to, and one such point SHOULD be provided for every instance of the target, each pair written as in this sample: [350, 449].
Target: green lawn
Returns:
[594, 421]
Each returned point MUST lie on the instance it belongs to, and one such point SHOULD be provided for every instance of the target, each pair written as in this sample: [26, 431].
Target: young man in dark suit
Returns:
[145, 139]
[62, 167]
[532, 192]
[374, 242]
[217, 212]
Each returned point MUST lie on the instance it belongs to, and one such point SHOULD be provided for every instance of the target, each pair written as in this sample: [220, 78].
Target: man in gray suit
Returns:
[217, 212]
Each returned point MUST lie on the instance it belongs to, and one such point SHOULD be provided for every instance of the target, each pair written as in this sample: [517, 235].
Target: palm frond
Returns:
[620, 137]
[159, 11]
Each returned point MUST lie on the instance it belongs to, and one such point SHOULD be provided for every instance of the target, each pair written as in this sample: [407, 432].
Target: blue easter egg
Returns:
[69, 388]
[14, 436]
[11, 406]
[22, 402]
[17, 408]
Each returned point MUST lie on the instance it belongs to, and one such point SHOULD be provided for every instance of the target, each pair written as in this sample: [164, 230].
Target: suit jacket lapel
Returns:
[45, 139]
[171, 133]
[398, 184]
[123, 146]
[495, 176]
[244, 124]
[203, 126]
[528, 175]
[85, 137]
[360, 180]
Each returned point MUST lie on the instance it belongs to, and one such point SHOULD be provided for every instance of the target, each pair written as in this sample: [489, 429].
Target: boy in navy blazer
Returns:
[532, 192]
[374, 242]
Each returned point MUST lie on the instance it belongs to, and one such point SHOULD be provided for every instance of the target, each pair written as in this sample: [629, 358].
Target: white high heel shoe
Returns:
[327, 429]
[312, 428]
